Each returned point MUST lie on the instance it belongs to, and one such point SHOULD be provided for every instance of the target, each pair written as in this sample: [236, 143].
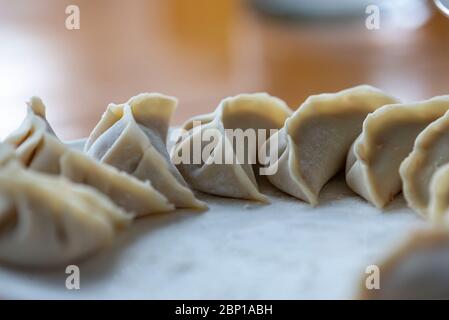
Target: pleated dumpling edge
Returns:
[430, 153]
[235, 179]
[388, 137]
[39, 149]
[315, 140]
[132, 137]
[48, 221]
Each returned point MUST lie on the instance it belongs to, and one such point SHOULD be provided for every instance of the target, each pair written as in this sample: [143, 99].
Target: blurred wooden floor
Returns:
[199, 51]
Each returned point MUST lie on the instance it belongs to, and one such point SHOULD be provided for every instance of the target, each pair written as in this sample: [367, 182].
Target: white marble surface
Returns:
[236, 250]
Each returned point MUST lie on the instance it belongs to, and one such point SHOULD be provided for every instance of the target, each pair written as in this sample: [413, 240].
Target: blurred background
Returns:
[203, 50]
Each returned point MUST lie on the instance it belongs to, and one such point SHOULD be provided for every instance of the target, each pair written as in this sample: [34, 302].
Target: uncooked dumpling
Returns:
[416, 270]
[372, 167]
[315, 140]
[233, 177]
[47, 221]
[132, 137]
[430, 152]
[38, 149]
[438, 204]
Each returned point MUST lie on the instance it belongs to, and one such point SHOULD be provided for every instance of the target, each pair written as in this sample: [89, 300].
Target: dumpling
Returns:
[415, 270]
[132, 137]
[315, 140]
[224, 164]
[372, 167]
[40, 150]
[438, 203]
[47, 221]
[430, 152]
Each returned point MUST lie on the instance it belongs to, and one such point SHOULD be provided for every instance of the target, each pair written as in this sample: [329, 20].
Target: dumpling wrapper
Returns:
[133, 195]
[430, 152]
[7, 154]
[415, 270]
[372, 167]
[39, 149]
[27, 137]
[236, 179]
[315, 140]
[48, 221]
[132, 137]
[438, 207]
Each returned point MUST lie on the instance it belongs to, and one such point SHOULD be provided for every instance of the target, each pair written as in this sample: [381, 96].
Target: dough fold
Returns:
[132, 137]
[218, 152]
[39, 149]
[48, 221]
[430, 153]
[388, 136]
[315, 140]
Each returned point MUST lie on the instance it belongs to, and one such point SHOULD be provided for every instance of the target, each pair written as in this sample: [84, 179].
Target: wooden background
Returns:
[199, 51]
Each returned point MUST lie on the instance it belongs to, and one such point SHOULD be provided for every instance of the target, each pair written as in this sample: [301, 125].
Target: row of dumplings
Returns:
[75, 202]
[384, 146]
[58, 205]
